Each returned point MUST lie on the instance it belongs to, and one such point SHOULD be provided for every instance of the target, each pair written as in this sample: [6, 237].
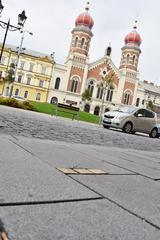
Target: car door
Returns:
[140, 121]
[150, 120]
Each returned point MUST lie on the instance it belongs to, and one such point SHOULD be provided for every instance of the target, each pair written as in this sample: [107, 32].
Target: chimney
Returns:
[145, 81]
[152, 83]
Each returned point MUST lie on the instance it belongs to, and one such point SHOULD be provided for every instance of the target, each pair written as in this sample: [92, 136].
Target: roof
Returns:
[29, 52]
[149, 87]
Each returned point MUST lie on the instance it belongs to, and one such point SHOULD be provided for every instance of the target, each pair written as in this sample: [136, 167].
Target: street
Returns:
[38, 201]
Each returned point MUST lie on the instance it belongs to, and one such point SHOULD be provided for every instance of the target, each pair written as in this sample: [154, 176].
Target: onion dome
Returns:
[133, 38]
[84, 19]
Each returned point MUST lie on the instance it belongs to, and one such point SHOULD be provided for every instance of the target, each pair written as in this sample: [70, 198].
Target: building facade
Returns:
[33, 74]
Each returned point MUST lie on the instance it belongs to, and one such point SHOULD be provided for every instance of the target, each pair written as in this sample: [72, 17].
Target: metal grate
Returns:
[82, 171]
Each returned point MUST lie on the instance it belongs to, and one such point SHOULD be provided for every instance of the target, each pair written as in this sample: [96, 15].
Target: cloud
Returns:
[51, 22]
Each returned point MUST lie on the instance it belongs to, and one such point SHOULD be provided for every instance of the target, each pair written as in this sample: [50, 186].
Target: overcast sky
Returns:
[51, 22]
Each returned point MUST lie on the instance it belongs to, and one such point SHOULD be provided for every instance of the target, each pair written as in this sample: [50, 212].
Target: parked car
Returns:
[132, 119]
[19, 98]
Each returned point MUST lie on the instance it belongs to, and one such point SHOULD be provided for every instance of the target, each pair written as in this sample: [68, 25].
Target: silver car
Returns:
[132, 119]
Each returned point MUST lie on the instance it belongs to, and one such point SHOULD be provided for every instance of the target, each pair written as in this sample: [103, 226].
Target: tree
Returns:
[106, 83]
[87, 95]
[10, 74]
[150, 105]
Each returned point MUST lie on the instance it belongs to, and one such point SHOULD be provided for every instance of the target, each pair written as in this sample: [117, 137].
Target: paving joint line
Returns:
[14, 204]
[139, 174]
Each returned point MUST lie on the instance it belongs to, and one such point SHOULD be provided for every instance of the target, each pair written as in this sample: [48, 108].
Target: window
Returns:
[82, 42]
[127, 98]
[3, 60]
[140, 111]
[100, 93]
[19, 78]
[26, 94]
[134, 57]
[91, 87]
[41, 82]
[74, 86]
[142, 102]
[22, 64]
[76, 41]
[31, 66]
[17, 92]
[29, 80]
[109, 95]
[1, 74]
[38, 97]
[137, 102]
[7, 91]
[149, 114]
[128, 59]
[43, 69]
[57, 83]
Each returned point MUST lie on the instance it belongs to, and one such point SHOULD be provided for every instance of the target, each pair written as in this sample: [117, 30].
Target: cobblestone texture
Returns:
[31, 124]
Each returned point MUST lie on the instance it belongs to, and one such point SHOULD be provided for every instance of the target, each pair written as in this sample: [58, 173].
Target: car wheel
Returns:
[107, 127]
[127, 127]
[154, 133]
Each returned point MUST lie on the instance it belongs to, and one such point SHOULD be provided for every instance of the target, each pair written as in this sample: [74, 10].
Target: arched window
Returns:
[54, 100]
[91, 87]
[26, 94]
[57, 83]
[137, 102]
[96, 110]
[74, 85]
[76, 41]
[17, 92]
[127, 97]
[128, 59]
[109, 95]
[143, 102]
[38, 97]
[82, 42]
[134, 58]
[87, 108]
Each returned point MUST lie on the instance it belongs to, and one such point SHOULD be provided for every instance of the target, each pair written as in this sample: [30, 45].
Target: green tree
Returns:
[150, 105]
[87, 95]
[10, 76]
[106, 83]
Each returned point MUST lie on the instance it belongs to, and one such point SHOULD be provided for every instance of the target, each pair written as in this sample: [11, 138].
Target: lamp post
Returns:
[6, 25]
[20, 49]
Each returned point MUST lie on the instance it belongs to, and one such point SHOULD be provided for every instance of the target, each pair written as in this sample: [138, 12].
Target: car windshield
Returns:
[126, 109]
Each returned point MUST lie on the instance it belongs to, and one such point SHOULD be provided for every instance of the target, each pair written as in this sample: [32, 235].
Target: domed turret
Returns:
[133, 38]
[84, 19]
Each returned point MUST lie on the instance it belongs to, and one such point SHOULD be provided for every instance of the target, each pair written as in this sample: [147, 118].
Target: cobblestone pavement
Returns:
[31, 124]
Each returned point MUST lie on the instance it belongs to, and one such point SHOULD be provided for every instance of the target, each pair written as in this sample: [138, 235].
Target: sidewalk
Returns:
[37, 201]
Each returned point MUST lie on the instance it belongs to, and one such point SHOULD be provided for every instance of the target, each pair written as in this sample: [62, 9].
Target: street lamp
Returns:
[21, 20]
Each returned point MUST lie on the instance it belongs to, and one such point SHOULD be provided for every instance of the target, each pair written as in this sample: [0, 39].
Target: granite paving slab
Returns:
[23, 178]
[135, 193]
[93, 220]
[67, 155]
